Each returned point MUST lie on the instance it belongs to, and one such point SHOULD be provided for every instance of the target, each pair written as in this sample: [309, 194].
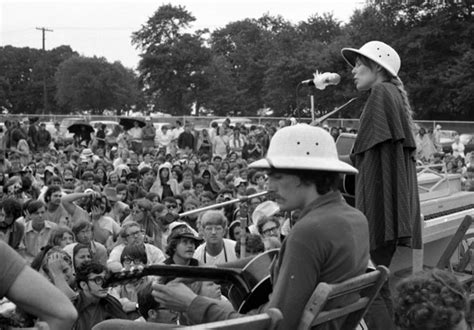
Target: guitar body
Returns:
[344, 146]
[256, 274]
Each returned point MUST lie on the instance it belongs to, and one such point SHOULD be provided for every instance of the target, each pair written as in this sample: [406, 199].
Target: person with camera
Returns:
[94, 207]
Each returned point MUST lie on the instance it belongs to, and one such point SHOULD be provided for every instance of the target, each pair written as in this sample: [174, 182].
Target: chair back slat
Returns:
[347, 301]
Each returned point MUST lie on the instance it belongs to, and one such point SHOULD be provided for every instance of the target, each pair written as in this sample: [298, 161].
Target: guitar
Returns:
[249, 278]
[344, 146]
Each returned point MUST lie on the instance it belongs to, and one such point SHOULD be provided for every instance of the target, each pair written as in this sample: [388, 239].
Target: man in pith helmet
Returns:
[328, 243]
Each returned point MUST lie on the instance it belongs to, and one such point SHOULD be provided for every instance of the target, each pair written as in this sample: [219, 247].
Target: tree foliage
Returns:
[94, 84]
[172, 68]
[22, 73]
[252, 64]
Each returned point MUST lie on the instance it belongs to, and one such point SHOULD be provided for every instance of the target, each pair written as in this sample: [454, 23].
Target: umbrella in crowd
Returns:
[128, 122]
[77, 127]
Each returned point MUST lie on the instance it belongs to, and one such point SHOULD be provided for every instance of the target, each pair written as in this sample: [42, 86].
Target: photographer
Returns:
[94, 206]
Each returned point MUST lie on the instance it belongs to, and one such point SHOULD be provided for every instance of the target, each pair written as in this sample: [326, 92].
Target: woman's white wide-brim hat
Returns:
[377, 51]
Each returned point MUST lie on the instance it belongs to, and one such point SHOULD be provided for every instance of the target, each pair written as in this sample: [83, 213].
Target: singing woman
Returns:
[384, 153]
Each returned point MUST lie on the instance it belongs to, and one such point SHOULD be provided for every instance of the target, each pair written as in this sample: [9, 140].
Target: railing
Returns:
[204, 121]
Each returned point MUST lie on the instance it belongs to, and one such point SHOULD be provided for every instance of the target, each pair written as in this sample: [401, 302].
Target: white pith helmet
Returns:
[303, 147]
[377, 51]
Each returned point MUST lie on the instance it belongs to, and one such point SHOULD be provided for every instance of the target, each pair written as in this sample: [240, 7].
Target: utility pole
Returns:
[45, 91]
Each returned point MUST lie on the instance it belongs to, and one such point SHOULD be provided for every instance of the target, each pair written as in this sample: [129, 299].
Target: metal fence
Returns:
[201, 122]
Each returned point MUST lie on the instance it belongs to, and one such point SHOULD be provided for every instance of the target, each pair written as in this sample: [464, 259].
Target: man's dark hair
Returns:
[145, 170]
[208, 194]
[169, 199]
[254, 244]
[325, 181]
[80, 225]
[199, 180]
[83, 272]
[430, 300]
[34, 206]
[145, 300]
[11, 207]
[49, 192]
[54, 178]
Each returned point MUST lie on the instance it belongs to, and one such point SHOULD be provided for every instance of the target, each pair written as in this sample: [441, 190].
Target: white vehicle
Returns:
[233, 121]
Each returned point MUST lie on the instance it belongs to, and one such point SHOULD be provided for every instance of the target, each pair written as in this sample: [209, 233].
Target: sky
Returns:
[103, 27]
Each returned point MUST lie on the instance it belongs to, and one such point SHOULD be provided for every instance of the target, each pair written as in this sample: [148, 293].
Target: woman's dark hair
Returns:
[57, 235]
[167, 178]
[179, 174]
[432, 300]
[232, 226]
[134, 252]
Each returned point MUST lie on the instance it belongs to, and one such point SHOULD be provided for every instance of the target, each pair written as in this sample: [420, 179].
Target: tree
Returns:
[245, 45]
[92, 83]
[21, 77]
[172, 68]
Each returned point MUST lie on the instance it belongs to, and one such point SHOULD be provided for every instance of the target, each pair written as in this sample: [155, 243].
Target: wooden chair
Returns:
[347, 301]
[445, 260]
[264, 321]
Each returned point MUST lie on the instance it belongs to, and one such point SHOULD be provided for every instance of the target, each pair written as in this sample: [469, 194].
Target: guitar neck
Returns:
[229, 275]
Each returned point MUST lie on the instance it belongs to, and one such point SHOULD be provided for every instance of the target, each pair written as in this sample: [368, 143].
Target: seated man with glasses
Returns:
[132, 234]
[216, 249]
[93, 303]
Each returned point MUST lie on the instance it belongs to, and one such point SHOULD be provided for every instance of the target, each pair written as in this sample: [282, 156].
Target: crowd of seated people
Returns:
[76, 211]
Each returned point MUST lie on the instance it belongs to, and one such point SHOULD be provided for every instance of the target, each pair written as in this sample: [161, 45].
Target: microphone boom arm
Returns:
[319, 120]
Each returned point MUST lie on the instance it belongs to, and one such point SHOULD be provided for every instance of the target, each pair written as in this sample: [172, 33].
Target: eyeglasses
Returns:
[69, 180]
[128, 262]
[210, 229]
[134, 234]
[172, 206]
[99, 280]
[270, 230]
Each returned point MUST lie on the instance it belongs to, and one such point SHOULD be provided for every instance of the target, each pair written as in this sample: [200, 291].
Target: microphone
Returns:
[321, 80]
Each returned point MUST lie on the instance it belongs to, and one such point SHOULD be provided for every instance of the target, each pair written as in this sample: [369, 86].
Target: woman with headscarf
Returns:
[165, 185]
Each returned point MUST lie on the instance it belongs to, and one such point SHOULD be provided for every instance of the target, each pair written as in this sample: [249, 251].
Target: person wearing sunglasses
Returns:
[132, 256]
[133, 234]
[94, 304]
